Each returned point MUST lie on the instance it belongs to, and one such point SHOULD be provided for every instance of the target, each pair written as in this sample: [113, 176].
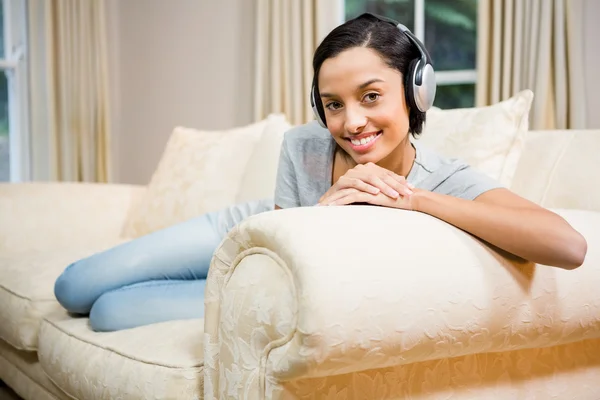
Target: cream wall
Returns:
[180, 62]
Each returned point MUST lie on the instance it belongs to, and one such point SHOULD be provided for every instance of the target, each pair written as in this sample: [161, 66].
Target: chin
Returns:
[374, 156]
[366, 158]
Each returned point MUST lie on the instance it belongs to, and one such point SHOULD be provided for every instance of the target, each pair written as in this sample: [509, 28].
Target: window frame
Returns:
[442, 77]
[14, 65]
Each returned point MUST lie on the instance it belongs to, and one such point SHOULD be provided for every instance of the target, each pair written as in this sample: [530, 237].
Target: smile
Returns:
[364, 143]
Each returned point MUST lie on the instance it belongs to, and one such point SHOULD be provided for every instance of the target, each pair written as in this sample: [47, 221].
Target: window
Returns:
[13, 91]
[448, 28]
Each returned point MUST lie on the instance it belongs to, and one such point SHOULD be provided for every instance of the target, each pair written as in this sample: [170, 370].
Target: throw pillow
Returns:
[490, 138]
[199, 172]
[261, 172]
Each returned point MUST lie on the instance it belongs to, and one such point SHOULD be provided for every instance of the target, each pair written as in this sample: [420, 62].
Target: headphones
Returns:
[419, 83]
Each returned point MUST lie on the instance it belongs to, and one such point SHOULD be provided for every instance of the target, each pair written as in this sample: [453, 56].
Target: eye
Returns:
[371, 97]
[333, 105]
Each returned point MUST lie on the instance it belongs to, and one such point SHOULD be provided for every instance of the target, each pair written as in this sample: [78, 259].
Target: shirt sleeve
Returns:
[286, 185]
[467, 183]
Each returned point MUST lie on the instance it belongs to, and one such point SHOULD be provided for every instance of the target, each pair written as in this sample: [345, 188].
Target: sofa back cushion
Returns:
[200, 171]
[489, 138]
[560, 169]
[204, 171]
[260, 175]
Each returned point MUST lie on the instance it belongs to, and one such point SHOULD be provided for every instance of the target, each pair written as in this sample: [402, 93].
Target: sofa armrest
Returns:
[321, 291]
[53, 215]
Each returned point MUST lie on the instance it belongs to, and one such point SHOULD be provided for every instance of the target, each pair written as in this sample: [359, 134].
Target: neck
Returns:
[401, 159]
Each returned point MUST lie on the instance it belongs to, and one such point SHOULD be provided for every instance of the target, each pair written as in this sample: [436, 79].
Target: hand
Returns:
[351, 196]
[373, 179]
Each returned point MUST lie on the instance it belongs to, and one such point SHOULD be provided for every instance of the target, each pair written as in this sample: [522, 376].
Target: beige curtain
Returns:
[287, 34]
[69, 91]
[537, 45]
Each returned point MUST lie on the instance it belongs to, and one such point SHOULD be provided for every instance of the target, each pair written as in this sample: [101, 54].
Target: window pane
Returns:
[455, 96]
[402, 11]
[4, 144]
[451, 33]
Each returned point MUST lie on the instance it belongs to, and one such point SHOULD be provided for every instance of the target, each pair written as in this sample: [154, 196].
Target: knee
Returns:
[68, 291]
[104, 315]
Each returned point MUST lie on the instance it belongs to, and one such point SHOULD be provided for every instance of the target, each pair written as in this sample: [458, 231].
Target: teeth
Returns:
[359, 142]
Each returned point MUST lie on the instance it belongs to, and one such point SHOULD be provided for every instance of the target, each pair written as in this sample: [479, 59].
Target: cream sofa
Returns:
[298, 303]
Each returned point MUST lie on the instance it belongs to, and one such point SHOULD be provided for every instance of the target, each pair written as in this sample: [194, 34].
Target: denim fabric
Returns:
[154, 278]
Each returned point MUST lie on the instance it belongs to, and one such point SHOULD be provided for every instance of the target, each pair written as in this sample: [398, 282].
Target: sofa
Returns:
[355, 302]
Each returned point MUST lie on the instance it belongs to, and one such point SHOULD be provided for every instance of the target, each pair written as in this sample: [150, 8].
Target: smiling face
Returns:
[365, 107]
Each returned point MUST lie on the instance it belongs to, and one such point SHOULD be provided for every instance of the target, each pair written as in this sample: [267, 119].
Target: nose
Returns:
[356, 120]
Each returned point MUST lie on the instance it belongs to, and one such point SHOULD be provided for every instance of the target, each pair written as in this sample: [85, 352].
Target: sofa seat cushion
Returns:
[27, 289]
[158, 361]
[22, 372]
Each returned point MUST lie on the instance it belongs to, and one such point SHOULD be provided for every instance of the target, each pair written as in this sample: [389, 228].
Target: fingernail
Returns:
[408, 192]
[393, 193]
[410, 185]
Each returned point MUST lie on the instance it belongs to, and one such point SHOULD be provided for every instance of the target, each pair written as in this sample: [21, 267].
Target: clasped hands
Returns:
[372, 184]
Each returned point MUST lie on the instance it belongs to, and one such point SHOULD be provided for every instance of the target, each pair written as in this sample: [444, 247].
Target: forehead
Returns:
[353, 67]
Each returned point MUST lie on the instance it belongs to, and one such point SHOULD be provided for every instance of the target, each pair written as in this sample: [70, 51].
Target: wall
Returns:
[591, 50]
[189, 62]
[183, 62]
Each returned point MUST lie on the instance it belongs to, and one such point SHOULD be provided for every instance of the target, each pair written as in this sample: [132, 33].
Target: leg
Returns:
[147, 303]
[183, 251]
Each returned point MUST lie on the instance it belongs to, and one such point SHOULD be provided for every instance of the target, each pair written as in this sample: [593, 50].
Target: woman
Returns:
[365, 94]
[372, 85]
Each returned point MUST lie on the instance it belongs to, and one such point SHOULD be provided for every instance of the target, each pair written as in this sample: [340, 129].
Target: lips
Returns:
[363, 142]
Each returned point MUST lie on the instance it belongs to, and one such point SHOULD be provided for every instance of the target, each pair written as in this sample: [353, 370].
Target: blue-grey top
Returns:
[306, 162]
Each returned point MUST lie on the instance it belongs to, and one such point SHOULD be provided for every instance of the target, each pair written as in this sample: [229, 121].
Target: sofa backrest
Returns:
[560, 169]
[204, 171]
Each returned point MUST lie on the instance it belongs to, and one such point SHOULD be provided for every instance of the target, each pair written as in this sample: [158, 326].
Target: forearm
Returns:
[535, 235]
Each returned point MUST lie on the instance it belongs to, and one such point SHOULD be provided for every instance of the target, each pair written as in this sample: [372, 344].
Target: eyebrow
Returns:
[360, 87]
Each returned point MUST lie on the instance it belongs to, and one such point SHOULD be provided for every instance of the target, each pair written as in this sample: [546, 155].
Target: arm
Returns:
[474, 203]
[286, 186]
[511, 223]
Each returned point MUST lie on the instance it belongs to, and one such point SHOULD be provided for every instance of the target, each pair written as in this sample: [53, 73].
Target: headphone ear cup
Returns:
[420, 96]
[425, 92]
[409, 84]
[317, 108]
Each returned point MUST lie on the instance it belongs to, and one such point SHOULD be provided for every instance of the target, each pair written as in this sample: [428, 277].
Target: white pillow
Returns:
[259, 179]
[490, 138]
[199, 172]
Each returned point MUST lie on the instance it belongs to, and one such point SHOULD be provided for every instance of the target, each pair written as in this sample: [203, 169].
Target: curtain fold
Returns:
[537, 45]
[287, 34]
[70, 136]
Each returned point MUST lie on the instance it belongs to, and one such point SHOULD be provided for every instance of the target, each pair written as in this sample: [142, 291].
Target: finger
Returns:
[358, 184]
[356, 197]
[400, 179]
[399, 186]
[375, 176]
[338, 195]
[382, 185]
[327, 194]
[330, 191]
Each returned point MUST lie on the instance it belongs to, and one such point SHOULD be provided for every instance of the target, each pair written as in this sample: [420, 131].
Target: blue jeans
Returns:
[157, 277]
